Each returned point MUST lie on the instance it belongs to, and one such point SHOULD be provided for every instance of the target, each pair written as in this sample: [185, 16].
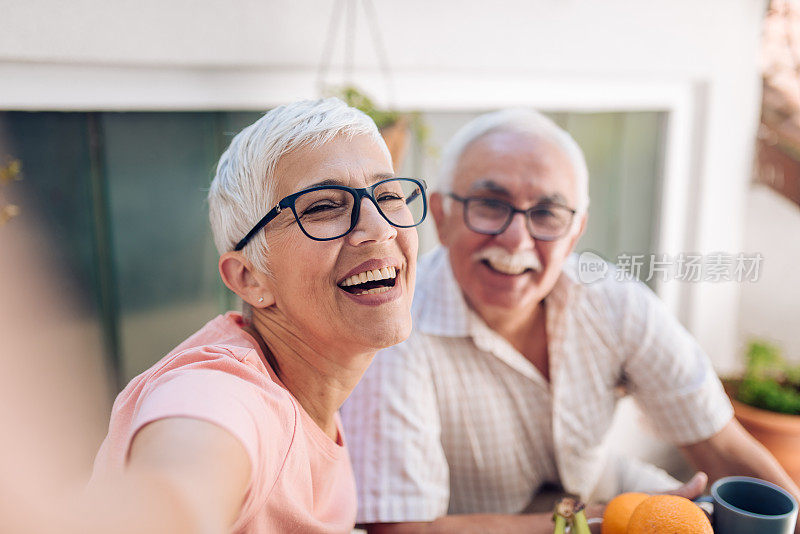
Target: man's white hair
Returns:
[243, 189]
[518, 120]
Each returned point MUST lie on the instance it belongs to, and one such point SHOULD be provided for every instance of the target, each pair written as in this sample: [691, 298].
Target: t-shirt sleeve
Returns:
[259, 420]
[667, 372]
[393, 434]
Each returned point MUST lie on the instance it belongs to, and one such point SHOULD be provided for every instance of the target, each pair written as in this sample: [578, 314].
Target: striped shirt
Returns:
[456, 420]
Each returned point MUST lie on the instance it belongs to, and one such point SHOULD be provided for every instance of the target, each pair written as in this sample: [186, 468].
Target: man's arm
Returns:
[733, 451]
[501, 524]
[479, 524]
[471, 523]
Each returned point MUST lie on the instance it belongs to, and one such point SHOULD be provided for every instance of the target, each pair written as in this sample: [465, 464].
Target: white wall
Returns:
[770, 307]
[697, 60]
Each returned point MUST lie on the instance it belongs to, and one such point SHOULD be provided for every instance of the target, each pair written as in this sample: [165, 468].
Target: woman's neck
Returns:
[319, 380]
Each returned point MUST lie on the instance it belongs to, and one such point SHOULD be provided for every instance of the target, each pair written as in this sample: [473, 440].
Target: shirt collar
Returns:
[567, 285]
[439, 307]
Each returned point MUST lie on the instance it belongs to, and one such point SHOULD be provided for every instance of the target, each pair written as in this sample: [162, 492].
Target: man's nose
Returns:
[371, 225]
[517, 231]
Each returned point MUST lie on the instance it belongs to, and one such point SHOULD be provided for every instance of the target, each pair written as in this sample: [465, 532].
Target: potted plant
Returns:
[395, 127]
[766, 401]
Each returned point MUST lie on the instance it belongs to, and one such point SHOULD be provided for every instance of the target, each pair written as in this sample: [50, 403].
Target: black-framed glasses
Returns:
[327, 212]
[545, 222]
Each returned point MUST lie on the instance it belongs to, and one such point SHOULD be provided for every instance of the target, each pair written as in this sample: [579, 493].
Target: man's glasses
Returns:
[329, 212]
[545, 222]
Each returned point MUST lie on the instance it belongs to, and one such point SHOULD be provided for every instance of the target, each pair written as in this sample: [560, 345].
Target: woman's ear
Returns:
[242, 278]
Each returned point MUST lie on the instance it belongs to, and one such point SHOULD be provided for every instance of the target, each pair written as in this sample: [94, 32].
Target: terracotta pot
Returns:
[397, 137]
[778, 432]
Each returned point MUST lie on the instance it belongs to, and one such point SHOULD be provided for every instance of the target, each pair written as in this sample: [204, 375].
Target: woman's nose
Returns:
[371, 225]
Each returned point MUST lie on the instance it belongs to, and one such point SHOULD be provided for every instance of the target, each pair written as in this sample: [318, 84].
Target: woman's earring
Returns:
[260, 299]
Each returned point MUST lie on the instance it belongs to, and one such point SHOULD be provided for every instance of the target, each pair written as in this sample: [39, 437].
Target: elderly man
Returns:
[510, 378]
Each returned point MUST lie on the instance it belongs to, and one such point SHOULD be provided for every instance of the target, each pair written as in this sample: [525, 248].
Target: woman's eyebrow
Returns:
[327, 181]
[382, 176]
[338, 181]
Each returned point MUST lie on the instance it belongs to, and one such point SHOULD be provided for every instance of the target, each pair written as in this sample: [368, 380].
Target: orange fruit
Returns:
[618, 512]
[668, 514]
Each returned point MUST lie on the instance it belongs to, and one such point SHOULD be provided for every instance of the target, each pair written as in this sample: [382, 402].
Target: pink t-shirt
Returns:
[301, 481]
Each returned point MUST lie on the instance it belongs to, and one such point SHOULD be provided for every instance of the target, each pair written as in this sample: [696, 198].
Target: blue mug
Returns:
[746, 505]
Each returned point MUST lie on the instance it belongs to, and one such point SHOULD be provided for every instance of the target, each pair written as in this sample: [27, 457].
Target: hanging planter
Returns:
[395, 127]
[397, 136]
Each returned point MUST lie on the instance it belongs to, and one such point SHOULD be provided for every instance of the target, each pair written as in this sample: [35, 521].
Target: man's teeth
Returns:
[507, 267]
[369, 276]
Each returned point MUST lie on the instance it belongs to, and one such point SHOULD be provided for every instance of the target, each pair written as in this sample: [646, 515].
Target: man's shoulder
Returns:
[597, 276]
[598, 285]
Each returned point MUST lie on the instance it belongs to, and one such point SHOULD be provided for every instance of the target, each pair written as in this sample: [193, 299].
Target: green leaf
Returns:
[769, 382]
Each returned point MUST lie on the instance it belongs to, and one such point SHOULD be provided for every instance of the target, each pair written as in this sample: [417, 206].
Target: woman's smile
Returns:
[373, 282]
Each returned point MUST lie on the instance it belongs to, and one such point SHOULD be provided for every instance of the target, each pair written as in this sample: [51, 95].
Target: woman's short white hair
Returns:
[518, 120]
[243, 189]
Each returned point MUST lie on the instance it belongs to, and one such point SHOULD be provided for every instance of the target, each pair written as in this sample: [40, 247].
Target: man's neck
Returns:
[525, 330]
[315, 377]
[513, 324]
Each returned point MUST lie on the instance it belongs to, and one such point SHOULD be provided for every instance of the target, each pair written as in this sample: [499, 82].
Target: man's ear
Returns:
[582, 228]
[243, 279]
[440, 216]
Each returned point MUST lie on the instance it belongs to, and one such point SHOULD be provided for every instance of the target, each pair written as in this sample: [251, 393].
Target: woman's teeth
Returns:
[386, 273]
[374, 290]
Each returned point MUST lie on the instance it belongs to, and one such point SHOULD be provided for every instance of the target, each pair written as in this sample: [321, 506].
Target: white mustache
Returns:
[524, 259]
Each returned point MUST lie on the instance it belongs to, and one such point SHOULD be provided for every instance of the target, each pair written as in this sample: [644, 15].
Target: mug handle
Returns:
[706, 499]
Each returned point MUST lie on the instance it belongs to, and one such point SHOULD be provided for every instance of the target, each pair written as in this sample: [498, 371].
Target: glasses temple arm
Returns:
[258, 227]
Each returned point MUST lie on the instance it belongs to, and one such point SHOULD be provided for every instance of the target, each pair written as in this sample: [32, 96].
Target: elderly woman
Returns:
[317, 237]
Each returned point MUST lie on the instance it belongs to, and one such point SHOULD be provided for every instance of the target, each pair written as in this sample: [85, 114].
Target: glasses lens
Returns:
[549, 222]
[486, 215]
[402, 201]
[324, 213]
